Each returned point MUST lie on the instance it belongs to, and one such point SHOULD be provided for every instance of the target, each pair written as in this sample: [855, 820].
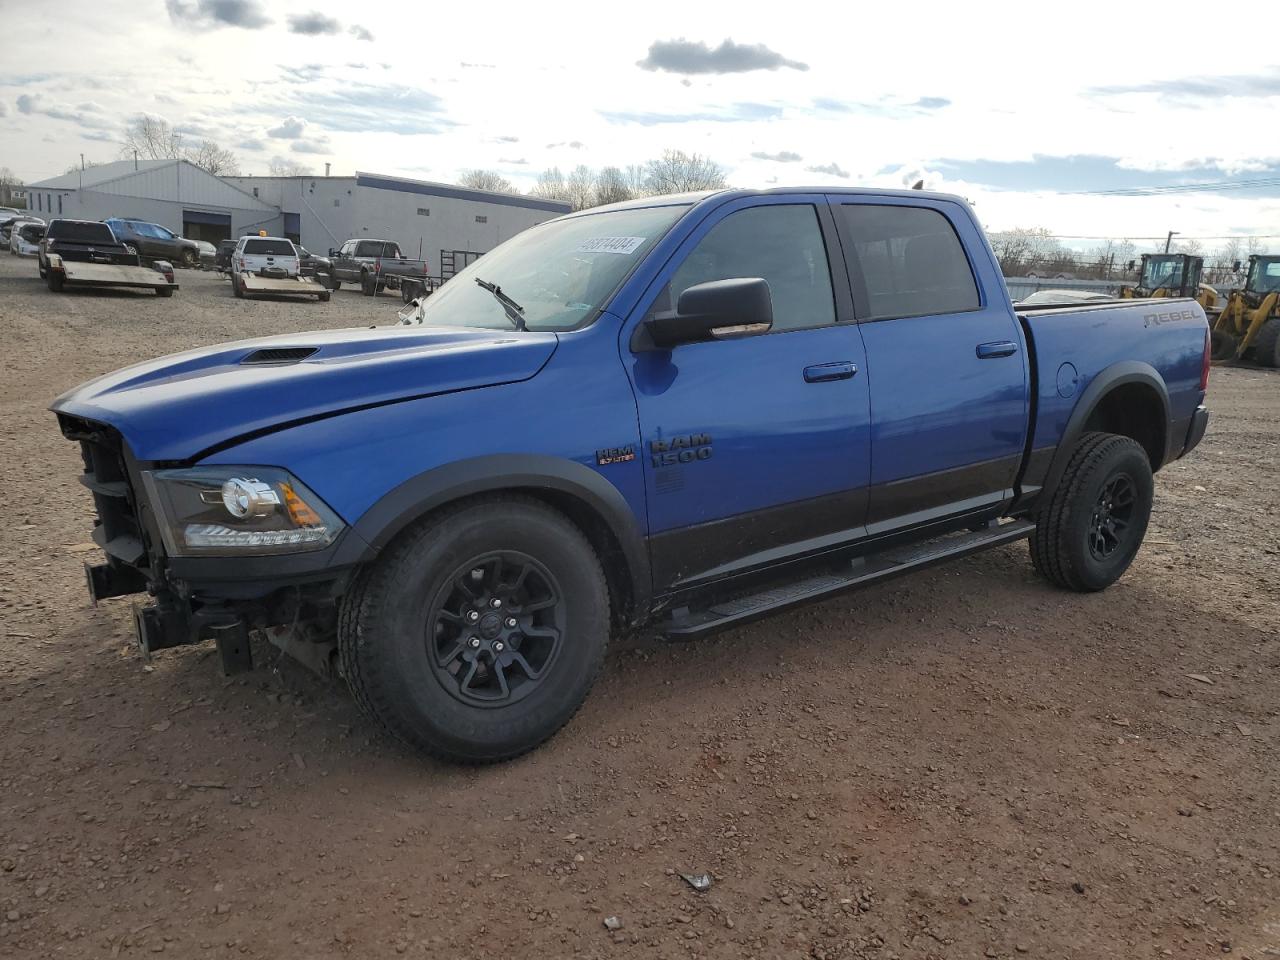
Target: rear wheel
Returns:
[236, 288]
[479, 633]
[56, 280]
[368, 286]
[1091, 528]
[1266, 345]
[1222, 345]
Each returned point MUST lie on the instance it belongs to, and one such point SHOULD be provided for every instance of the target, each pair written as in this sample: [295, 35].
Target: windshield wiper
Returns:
[515, 312]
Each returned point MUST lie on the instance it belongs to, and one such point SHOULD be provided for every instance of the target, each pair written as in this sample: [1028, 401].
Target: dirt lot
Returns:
[966, 763]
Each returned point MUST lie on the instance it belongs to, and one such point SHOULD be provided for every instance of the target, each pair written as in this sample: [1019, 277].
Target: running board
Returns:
[685, 623]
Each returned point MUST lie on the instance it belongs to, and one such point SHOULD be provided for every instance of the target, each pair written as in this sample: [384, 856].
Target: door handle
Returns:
[1000, 348]
[822, 372]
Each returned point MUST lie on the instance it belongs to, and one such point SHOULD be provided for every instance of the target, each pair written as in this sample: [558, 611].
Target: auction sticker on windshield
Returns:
[611, 245]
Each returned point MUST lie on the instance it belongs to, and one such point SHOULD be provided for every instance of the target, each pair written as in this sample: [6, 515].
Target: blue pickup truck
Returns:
[684, 411]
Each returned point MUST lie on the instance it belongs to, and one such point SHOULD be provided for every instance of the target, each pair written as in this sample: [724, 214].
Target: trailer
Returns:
[260, 285]
[74, 273]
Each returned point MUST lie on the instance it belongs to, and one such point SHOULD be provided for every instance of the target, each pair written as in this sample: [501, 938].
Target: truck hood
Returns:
[178, 407]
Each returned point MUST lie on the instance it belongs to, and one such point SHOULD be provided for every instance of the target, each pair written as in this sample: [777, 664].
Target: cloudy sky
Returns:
[1029, 111]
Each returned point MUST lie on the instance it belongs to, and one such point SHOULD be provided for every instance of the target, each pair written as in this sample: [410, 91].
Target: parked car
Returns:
[1042, 297]
[25, 239]
[270, 265]
[374, 264]
[8, 225]
[208, 254]
[85, 253]
[687, 412]
[310, 265]
[155, 242]
[8, 212]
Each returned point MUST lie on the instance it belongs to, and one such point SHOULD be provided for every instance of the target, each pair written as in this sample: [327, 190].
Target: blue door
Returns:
[755, 449]
[948, 378]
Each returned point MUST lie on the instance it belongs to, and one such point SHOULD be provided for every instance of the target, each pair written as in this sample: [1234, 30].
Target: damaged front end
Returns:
[221, 551]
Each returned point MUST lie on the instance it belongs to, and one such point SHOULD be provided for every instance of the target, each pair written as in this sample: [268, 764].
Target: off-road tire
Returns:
[165, 291]
[56, 280]
[1266, 344]
[1060, 544]
[383, 630]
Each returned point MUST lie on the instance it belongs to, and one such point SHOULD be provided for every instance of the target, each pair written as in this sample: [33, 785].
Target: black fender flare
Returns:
[494, 473]
[1116, 375]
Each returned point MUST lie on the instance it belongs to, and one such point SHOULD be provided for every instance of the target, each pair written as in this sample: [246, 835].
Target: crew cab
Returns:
[374, 264]
[85, 253]
[683, 411]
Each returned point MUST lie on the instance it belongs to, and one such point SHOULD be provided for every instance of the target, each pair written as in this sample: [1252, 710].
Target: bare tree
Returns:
[677, 172]
[283, 167]
[151, 138]
[217, 160]
[611, 186]
[1026, 250]
[580, 185]
[636, 178]
[486, 180]
[8, 183]
[551, 185]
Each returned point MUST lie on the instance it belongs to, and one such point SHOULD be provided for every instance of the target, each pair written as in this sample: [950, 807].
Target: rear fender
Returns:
[1114, 376]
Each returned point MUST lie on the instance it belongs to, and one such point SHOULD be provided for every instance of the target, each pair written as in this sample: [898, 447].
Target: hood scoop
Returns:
[272, 355]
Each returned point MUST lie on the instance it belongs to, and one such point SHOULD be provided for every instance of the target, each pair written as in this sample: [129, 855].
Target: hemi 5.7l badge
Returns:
[616, 455]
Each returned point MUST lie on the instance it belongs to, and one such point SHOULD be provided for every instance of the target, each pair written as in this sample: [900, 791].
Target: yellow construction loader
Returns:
[1249, 325]
[1172, 275]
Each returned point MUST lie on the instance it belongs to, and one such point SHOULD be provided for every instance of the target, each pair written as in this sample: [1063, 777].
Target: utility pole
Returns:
[1169, 239]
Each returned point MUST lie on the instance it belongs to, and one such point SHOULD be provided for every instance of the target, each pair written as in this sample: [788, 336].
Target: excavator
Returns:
[1249, 325]
[1172, 275]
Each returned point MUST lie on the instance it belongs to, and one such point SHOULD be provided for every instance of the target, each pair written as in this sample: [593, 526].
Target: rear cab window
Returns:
[910, 261]
[80, 232]
[369, 248]
[269, 248]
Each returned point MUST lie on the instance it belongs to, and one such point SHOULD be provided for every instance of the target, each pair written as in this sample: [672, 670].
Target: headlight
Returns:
[238, 511]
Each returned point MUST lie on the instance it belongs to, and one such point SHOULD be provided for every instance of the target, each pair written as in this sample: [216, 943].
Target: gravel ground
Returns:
[965, 763]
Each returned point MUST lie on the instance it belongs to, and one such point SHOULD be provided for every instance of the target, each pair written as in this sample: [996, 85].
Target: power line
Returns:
[1206, 186]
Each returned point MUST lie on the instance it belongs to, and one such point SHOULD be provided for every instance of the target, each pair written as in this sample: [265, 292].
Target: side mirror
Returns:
[718, 309]
[333, 252]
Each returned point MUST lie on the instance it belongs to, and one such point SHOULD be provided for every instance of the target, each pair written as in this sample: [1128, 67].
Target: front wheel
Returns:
[1266, 344]
[1091, 528]
[368, 286]
[479, 633]
[56, 280]
[190, 258]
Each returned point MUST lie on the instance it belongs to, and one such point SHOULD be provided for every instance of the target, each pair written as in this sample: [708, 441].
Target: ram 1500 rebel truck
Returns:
[85, 253]
[685, 411]
[374, 264]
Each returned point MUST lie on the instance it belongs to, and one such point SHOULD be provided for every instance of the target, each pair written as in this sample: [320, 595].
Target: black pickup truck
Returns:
[86, 253]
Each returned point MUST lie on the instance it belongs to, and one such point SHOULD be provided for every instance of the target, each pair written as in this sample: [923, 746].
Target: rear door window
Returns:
[369, 248]
[910, 259]
[269, 248]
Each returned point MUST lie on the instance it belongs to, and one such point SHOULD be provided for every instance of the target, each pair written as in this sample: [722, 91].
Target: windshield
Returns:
[560, 272]
[1163, 273]
[1264, 276]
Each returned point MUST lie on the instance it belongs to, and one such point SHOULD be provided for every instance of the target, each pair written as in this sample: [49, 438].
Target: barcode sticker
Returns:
[611, 245]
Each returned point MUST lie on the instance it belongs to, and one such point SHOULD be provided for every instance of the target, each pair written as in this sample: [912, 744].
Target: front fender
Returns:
[537, 473]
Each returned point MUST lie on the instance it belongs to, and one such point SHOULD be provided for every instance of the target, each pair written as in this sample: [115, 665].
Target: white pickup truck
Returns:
[270, 265]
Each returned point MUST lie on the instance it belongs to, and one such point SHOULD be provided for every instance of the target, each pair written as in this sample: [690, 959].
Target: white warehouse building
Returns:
[173, 193]
[444, 224]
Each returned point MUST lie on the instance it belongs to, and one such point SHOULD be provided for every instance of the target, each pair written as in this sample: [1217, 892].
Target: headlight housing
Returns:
[238, 511]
